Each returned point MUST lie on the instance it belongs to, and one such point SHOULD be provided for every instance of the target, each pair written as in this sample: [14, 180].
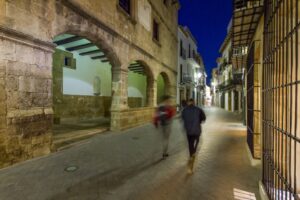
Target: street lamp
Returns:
[199, 75]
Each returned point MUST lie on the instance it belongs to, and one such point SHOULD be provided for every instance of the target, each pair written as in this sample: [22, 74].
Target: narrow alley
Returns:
[128, 165]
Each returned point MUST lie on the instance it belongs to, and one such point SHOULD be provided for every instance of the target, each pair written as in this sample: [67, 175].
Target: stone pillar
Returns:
[26, 98]
[119, 96]
[172, 92]
[151, 92]
[4, 161]
[232, 100]
[240, 101]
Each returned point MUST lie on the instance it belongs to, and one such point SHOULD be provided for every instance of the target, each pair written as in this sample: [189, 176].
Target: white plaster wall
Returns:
[80, 81]
[226, 101]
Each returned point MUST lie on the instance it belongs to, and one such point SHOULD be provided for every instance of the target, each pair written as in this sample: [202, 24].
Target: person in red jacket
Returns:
[163, 120]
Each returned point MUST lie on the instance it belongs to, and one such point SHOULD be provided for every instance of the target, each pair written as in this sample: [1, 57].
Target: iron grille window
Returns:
[155, 30]
[181, 48]
[181, 78]
[281, 94]
[126, 5]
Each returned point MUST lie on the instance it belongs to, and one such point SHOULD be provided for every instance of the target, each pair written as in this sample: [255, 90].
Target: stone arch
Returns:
[147, 71]
[96, 39]
[117, 74]
[163, 85]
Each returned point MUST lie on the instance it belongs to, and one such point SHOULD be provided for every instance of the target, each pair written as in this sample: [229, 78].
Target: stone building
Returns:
[229, 85]
[265, 44]
[191, 79]
[214, 83]
[118, 52]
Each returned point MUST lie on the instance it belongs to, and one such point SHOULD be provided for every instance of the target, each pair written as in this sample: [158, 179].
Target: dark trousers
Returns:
[193, 141]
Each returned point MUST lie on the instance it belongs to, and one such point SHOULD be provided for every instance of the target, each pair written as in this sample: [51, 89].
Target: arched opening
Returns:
[82, 89]
[163, 84]
[140, 82]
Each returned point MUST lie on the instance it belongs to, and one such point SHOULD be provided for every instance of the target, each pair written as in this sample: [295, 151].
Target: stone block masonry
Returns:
[26, 105]
[27, 29]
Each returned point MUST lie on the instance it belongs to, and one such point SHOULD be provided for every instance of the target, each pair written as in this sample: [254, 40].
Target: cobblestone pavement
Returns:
[127, 165]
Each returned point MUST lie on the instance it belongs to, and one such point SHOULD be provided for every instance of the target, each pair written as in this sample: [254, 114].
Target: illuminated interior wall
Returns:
[80, 81]
[137, 88]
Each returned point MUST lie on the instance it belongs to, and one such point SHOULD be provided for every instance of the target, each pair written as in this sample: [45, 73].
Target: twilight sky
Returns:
[207, 20]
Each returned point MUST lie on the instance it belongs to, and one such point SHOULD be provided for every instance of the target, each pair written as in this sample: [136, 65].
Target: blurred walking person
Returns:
[193, 117]
[163, 120]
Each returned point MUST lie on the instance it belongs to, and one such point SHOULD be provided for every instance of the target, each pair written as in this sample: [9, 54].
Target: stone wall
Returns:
[26, 100]
[83, 107]
[257, 93]
[135, 102]
[133, 117]
[27, 29]
[88, 107]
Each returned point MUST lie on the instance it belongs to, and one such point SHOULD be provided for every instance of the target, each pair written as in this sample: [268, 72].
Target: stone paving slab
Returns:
[128, 165]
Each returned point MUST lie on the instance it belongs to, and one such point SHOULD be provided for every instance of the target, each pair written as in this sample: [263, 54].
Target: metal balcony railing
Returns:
[246, 4]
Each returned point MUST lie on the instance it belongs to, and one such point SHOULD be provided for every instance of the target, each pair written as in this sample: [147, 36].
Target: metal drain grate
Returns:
[71, 168]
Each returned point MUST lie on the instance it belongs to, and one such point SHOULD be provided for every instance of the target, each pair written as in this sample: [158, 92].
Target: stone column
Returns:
[151, 92]
[173, 92]
[119, 96]
[3, 112]
[232, 100]
[26, 98]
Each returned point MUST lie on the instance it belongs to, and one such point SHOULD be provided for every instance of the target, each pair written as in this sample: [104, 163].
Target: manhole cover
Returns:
[71, 169]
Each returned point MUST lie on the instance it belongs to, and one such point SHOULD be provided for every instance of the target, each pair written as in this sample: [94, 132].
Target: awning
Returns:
[246, 16]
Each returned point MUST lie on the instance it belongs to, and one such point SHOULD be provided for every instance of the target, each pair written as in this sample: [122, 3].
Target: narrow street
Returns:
[128, 165]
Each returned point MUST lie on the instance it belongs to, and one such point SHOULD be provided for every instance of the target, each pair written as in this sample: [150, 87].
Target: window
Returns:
[180, 73]
[189, 50]
[126, 5]
[181, 48]
[194, 55]
[155, 30]
[68, 62]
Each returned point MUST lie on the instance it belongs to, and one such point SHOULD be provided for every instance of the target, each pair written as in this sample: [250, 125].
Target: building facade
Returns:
[121, 53]
[265, 43]
[191, 79]
[228, 88]
[214, 83]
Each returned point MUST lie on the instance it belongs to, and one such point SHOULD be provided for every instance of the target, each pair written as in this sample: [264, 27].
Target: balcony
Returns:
[247, 4]
[236, 80]
[246, 15]
[186, 79]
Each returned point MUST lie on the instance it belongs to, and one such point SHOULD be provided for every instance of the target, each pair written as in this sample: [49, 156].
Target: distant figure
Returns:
[193, 117]
[163, 120]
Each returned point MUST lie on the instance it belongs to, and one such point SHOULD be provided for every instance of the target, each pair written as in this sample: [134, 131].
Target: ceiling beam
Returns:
[68, 40]
[83, 46]
[136, 64]
[90, 52]
[137, 67]
[99, 57]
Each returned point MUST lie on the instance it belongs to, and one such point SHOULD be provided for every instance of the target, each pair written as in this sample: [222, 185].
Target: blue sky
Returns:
[207, 20]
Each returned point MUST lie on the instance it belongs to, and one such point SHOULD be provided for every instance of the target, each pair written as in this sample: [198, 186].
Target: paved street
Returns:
[127, 165]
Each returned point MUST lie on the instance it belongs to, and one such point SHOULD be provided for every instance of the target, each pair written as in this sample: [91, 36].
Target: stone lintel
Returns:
[25, 39]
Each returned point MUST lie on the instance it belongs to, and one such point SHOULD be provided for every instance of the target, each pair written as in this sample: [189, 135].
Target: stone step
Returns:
[67, 140]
